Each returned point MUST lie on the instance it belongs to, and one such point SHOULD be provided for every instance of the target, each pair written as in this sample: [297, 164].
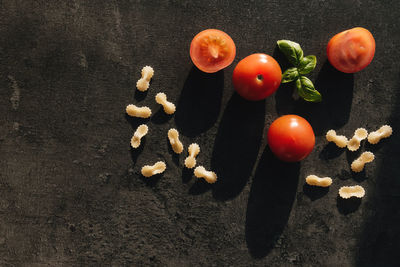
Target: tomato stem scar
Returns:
[214, 51]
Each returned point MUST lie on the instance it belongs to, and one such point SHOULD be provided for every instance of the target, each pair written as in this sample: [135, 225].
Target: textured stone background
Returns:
[70, 189]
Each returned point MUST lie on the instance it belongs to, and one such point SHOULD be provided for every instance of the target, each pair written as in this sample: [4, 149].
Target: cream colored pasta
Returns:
[209, 176]
[359, 163]
[384, 132]
[169, 107]
[339, 140]
[359, 135]
[140, 132]
[140, 112]
[318, 181]
[351, 191]
[194, 150]
[143, 83]
[176, 144]
[157, 168]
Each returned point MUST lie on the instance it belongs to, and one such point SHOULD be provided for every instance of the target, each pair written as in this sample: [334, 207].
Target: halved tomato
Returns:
[352, 50]
[212, 50]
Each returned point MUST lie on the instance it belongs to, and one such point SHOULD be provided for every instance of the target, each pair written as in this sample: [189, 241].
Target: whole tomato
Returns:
[257, 76]
[291, 138]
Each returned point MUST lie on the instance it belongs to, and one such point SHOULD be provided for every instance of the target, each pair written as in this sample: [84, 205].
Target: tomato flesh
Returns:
[212, 50]
[352, 50]
[291, 138]
[257, 76]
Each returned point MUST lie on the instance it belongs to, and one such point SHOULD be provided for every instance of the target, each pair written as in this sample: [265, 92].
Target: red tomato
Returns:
[291, 138]
[212, 50]
[352, 50]
[257, 76]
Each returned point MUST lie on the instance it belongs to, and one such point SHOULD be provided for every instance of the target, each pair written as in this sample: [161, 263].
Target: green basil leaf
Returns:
[290, 75]
[307, 64]
[306, 90]
[291, 50]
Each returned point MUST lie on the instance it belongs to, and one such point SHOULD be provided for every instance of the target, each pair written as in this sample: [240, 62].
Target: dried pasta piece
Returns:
[318, 181]
[209, 176]
[351, 191]
[384, 132]
[339, 140]
[169, 107]
[157, 168]
[140, 112]
[143, 83]
[359, 135]
[194, 150]
[358, 164]
[176, 144]
[140, 132]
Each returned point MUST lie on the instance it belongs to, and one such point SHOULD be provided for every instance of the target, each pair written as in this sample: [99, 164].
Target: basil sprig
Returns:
[302, 65]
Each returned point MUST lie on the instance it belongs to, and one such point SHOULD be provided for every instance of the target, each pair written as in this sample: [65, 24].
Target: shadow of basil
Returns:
[380, 240]
[236, 145]
[333, 112]
[270, 201]
[200, 102]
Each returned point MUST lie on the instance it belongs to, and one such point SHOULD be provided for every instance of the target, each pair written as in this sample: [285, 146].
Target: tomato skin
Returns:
[291, 138]
[352, 50]
[245, 77]
[220, 55]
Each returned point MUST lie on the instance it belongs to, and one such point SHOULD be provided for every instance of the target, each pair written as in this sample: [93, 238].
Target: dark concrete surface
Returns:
[71, 193]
